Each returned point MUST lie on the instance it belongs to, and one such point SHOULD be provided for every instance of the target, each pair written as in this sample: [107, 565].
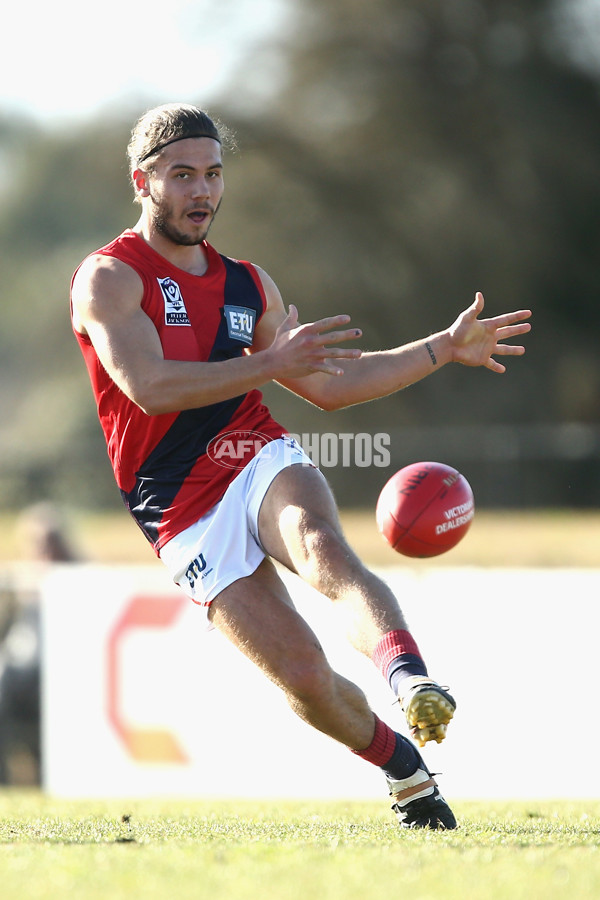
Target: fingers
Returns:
[503, 350]
[507, 326]
[502, 320]
[311, 343]
[341, 353]
[320, 332]
[322, 358]
[505, 333]
[511, 331]
[328, 367]
[319, 345]
[509, 349]
[325, 325]
[510, 319]
[337, 337]
[328, 323]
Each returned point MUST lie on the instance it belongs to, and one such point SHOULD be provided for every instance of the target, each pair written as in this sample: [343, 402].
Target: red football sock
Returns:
[397, 656]
[381, 749]
[391, 752]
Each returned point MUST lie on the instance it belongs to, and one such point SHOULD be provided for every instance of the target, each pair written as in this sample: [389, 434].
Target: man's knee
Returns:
[318, 548]
[327, 562]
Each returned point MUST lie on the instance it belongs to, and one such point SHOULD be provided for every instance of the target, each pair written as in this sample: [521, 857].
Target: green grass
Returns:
[154, 850]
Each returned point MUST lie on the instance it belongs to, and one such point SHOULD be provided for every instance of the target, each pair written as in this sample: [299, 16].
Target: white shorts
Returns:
[224, 545]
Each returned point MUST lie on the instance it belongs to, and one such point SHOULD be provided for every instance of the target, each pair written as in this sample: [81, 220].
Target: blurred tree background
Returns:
[394, 157]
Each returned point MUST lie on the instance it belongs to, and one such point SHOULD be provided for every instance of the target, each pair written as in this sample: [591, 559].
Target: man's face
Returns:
[184, 190]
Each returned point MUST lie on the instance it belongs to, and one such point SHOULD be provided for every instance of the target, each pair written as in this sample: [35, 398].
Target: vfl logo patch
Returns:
[175, 311]
[240, 322]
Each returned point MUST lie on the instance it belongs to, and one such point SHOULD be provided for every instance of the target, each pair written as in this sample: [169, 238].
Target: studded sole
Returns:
[428, 712]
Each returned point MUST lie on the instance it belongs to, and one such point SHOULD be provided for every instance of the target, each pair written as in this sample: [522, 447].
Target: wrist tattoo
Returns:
[431, 353]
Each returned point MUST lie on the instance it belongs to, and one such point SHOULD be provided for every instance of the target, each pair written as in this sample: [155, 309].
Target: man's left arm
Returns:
[470, 340]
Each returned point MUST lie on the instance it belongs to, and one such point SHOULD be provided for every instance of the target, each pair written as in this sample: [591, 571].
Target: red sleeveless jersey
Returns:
[167, 478]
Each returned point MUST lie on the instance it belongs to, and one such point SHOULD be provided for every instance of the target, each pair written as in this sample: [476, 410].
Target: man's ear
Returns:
[141, 182]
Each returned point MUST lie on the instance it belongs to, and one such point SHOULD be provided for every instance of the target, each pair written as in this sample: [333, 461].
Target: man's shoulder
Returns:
[117, 256]
[102, 275]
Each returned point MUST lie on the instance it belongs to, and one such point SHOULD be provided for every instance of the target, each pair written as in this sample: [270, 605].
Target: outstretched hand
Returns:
[474, 340]
[303, 349]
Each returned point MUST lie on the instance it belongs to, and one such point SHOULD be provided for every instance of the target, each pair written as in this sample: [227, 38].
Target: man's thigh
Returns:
[299, 501]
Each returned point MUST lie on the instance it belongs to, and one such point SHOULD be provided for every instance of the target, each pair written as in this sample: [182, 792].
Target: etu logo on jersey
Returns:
[175, 311]
[240, 322]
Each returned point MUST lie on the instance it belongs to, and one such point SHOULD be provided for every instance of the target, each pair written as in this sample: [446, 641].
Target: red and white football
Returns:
[425, 509]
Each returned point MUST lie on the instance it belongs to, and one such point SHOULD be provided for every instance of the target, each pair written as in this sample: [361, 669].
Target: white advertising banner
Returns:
[138, 700]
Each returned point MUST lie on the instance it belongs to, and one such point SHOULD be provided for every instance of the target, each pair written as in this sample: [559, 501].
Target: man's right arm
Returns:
[107, 306]
[107, 298]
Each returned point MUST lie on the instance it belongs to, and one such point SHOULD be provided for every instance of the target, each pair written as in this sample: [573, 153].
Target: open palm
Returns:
[475, 340]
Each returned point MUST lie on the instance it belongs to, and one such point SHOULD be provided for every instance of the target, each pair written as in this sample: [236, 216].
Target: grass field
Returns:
[52, 850]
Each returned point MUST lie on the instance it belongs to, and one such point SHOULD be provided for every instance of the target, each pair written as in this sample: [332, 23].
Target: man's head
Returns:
[176, 169]
[164, 125]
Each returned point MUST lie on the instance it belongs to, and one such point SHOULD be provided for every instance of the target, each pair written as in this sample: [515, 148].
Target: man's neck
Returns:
[192, 259]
